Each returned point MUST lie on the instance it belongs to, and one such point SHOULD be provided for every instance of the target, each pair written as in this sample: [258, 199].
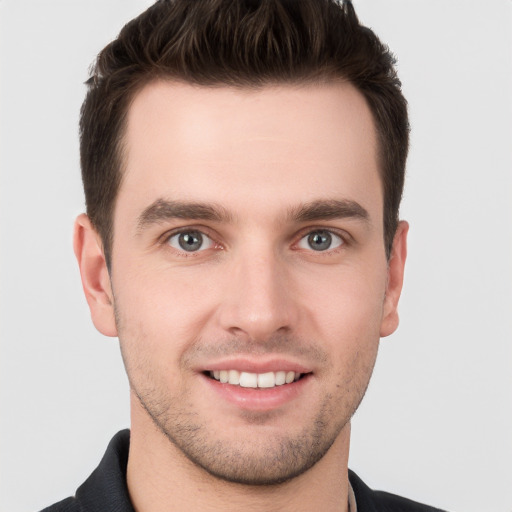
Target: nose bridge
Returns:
[257, 301]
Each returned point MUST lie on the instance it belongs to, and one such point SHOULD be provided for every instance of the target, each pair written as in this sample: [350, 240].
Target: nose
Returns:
[258, 299]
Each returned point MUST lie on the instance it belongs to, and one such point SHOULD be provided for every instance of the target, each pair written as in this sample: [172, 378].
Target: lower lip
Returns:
[258, 399]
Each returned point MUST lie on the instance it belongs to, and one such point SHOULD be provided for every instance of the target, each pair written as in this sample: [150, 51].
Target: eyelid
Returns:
[340, 233]
[205, 240]
[205, 232]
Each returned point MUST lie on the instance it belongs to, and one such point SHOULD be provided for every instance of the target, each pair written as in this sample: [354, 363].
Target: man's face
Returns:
[248, 245]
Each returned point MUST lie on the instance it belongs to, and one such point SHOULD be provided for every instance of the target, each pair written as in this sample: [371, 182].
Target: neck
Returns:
[161, 478]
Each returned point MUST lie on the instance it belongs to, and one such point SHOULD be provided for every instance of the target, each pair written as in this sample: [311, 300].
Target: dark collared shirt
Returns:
[106, 491]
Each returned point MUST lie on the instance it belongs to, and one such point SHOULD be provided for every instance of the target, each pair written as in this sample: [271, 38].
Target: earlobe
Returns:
[95, 277]
[396, 267]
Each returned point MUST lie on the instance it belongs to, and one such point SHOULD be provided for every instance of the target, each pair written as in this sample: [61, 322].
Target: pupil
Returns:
[320, 240]
[191, 241]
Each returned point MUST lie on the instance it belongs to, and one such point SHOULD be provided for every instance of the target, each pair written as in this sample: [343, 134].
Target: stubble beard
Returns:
[268, 460]
[278, 459]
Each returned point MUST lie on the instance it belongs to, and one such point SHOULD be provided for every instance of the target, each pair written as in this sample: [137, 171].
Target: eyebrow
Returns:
[162, 210]
[329, 209]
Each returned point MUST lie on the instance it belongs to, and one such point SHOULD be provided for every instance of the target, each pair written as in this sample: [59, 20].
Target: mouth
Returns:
[255, 380]
[258, 386]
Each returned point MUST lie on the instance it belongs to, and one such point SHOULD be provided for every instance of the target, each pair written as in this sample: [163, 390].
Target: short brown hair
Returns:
[241, 43]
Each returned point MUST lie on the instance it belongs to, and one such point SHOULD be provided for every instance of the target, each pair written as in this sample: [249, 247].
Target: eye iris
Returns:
[320, 240]
[190, 241]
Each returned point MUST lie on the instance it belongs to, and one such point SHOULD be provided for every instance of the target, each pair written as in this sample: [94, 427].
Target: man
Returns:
[243, 165]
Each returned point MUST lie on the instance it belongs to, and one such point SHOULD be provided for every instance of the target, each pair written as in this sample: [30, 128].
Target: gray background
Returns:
[436, 424]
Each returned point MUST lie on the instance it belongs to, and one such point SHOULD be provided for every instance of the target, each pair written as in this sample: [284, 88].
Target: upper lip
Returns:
[251, 365]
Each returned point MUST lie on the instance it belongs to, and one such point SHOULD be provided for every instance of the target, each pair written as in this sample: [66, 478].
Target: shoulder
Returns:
[369, 500]
[105, 489]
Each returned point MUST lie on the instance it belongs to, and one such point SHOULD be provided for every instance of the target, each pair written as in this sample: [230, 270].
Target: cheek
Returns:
[346, 313]
[159, 315]
[347, 303]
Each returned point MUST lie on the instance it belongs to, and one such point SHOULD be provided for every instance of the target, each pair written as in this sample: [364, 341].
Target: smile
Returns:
[255, 380]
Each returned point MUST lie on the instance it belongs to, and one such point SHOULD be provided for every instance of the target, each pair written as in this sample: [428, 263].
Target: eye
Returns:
[190, 241]
[320, 240]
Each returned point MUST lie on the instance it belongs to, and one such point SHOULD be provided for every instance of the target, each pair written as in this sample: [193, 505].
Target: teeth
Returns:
[255, 380]
[248, 380]
[234, 377]
[280, 378]
[267, 380]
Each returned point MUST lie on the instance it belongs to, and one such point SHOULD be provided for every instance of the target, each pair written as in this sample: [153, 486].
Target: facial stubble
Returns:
[269, 458]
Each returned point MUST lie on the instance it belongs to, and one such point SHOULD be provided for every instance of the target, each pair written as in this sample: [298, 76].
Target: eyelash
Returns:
[343, 236]
[165, 240]
[332, 232]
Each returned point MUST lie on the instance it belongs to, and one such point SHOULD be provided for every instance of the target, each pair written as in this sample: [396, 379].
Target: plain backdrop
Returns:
[436, 424]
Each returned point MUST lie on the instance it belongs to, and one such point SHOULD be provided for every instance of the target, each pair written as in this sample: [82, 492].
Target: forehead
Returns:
[277, 144]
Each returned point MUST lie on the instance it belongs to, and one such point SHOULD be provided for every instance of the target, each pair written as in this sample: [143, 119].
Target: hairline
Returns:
[321, 77]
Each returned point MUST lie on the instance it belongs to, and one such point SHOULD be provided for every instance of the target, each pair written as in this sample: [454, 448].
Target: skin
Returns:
[256, 293]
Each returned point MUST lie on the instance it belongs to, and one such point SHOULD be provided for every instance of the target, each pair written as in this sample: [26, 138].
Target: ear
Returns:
[95, 278]
[396, 266]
